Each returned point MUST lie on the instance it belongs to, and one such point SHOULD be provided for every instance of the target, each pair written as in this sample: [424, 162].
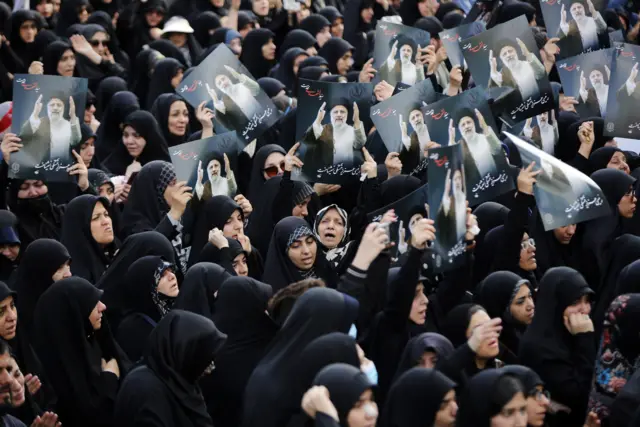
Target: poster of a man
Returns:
[593, 100]
[401, 66]
[628, 96]
[237, 98]
[336, 141]
[216, 184]
[544, 134]
[520, 74]
[582, 30]
[452, 214]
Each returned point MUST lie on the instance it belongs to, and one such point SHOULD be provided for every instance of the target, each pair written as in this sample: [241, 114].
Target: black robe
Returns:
[199, 288]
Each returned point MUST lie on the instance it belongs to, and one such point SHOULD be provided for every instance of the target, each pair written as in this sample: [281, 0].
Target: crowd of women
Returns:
[127, 301]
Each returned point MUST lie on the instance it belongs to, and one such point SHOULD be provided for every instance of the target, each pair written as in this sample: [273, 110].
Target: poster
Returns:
[622, 117]
[395, 53]
[231, 92]
[332, 124]
[586, 78]
[506, 56]
[47, 114]
[451, 41]
[466, 119]
[563, 194]
[207, 165]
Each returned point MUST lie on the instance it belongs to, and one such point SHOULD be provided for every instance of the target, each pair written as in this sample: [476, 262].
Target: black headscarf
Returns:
[311, 72]
[331, 13]
[489, 215]
[135, 247]
[155, 146]
[285, 72]
[314, 23]
[415, 398]
[225, 256]
[179, 350]
[333, 50]
[418, 345]
[252, 57]
[409, 12]
[517, 8]
[346, 384]
[109, 133]
[103, 19]
[141, 290]
[199, 288]
[240, 313]
[52, 55]
[297, 38]
[271, 86]
[257, 178]
[146, 206]
[142, 71]
[279, 270]
[165, 70]
[25, 52]
[106, 89]
[396, 188]
[599, 159]
[316, 313]
[160, 110]
[71, 351]
[527, 376]
[629, 279]
[68, 15]
[39, 261]
[203, 26]
[169, 50]
[90, 260]
[43, 39]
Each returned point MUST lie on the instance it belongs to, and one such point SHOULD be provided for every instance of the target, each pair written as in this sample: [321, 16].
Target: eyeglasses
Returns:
[96, 43]
[539, 394]
[528, 243]
[272, 171]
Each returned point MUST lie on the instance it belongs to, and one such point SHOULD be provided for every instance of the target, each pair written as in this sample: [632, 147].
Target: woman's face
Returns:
[28, 31]
[178, 39]
[527, 254]
[101, 226]
[269, 50]
[457, 181]
[106, 190]
[175, 80]
[83, 14]
[513, 414]
[627, 204]
[178, 118]
[345, 63]
[428, 360]
[582, 306]
[537, 406]
[8, 318]
[17, 386]
[488, 348]
[67, 64]
[446, 415]
[168, 284]
[133, 142]
[522, 306]
[273, 166]
[99, 42]
[45, 8]
[240, 265]
[260, 7]
[337, 29]
[154, 18]
[236, 46]
[619, 161]
[234, 226]
[418, 313]
[297, 62]
[89, 111]
[323, 36]
[63, 272]
[302, 253]
[565, 234]
[367, 15]
[365, 412]
[87, 151]
[331, 229]
[31, 189]
[96, 315]
[428, 7]
[301, 210]
[217, 3]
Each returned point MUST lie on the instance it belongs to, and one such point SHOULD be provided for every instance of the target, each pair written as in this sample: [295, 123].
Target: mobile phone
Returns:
[387, 229]
[132, 177]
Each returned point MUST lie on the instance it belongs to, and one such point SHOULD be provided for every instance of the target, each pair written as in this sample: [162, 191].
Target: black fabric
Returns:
[314, 23]
[252, 57]
[103, 18]
[31, 282]
[68, 15]
[257, 180]
[169, 50]
[199, 288]
[160, 110]
[415, 398]
[240, 313]
[106, 89]
[599, 159]
[271, 86]
[109, 133]
[225, 256]
[409, 12]
[285, 73]
[145, 63]
[52, 55]
[155, 147]
[318, 312]
[164, 391]
[629, 279]
[297, 38]
[113, 282]
[418, 345]
[203, 26]
[563, 361]
[165, 70]
[24, 52]
[90, 260]
[333, 50]
[396, 188]
[71, 351]
[489, 215]
[476, 406]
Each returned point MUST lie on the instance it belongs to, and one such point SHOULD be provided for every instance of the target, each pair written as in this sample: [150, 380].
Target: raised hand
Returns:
[48, 419]
[393, 164]
[592, 9]
[447, 186]
[212, 93]
[374, 240]
[527, 123]
[383, 91]
[526, 179]
[217, 239]
[205, 115]
[369, 166]
[80, 169]
[487, 331]
[394, 50]
[563, 16]
[33, 383]
[583, 82]
[227, 164]
[291, 160]
[523, 47]
[72, 108]
[481, 121]
[455, 77]
[36, 67]
[245, 205]
[606, 68]
[403, 125]
[233, 72]
[368, 72]
[356, 115]
[551, 47]
[568, 103]
[321, 113]
[632, 76]
[452, 133]
[493, 63]
[423, 231]
[177, 197]
[37, 108]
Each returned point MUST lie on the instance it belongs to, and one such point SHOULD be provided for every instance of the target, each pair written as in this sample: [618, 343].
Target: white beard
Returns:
[219, 186]
[60, 137]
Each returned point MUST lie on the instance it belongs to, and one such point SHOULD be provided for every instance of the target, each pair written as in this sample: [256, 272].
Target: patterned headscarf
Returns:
[167, 177]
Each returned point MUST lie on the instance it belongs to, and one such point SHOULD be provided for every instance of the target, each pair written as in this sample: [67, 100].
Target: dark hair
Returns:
[4, 347]
[503, 391]
[282, 302]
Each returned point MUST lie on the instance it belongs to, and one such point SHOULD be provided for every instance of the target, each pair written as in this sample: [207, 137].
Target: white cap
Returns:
[177, 24]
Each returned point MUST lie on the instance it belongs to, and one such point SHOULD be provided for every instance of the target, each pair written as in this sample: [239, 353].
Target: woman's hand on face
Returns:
[315, 400]
[578, 323]
[485, 332]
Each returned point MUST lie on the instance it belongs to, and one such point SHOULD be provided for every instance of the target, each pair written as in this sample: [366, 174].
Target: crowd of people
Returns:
[127, 301]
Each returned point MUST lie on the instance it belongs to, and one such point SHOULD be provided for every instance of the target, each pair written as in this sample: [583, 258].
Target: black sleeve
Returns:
[454, 365]
[113, 69]
[508, 254]
[324, 420]
[403, 289]
[581, 163]
[282, 202]
[453, 288]
[166, 228]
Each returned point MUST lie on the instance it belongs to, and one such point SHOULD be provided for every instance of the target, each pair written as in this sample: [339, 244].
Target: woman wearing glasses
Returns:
[538, 399]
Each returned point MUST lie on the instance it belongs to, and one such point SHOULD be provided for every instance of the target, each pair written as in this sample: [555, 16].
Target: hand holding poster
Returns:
[397, 53]
[235, 97]
[45, 117]
[206, 165]
[586, 78]
[400, 123]
[507, 56]
[542, 130]
[466, 120]
[624, 93]
[331, 128]
[448, 204]
[563, 194]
